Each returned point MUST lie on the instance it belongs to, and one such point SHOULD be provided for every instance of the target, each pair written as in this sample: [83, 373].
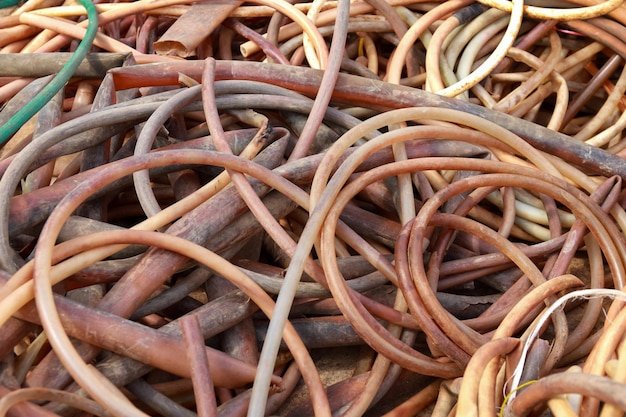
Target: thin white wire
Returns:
[586, 293]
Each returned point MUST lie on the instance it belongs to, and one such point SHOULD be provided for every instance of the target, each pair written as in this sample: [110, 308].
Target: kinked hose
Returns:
[62, 77]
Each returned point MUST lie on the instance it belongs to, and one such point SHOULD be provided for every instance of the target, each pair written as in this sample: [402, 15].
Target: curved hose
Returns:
[62, 77]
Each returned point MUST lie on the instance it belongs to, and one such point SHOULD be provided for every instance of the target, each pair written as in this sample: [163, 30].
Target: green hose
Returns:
[62, 77]
[8, 3]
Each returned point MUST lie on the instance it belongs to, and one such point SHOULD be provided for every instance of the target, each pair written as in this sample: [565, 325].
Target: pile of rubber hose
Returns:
[326, 208]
